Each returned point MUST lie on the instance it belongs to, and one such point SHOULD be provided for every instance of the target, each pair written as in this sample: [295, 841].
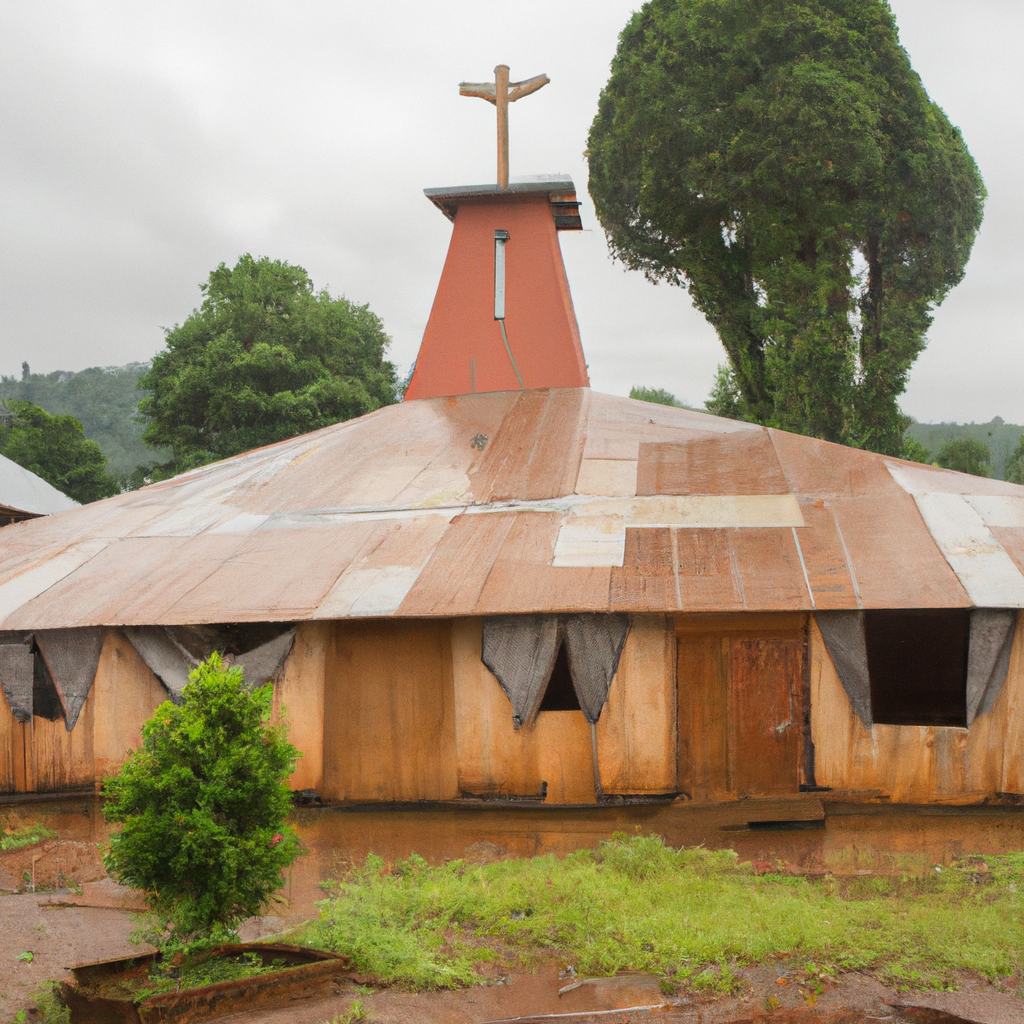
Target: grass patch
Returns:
[27, 835]
[692, 916]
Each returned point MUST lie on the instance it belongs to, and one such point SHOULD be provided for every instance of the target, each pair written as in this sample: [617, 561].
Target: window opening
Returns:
[917, 664]
[560, 694]
[45, 702]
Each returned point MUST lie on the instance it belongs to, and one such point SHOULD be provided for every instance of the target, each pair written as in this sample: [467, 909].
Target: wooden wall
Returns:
[713, 706]
[916, 764]
[124, 696]
[42, 756]
[299, 701]
[635, 734]
[742, 694]
[389, 714]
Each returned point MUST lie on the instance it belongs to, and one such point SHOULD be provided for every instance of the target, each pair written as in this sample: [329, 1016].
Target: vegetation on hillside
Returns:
[965, 455]
[657, 395]
[56, 449]
[691, 915]
[104, 399]
[264, 358]
[1000, 438]
[759, 151]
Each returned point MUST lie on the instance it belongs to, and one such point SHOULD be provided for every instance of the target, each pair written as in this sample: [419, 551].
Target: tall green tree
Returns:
[782, 160]
[265, 357]
[56, 449]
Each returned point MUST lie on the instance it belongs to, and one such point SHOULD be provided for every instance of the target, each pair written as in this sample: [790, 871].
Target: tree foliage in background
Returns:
[1015, 463]
[657, 395]
[965, 455]
[914, 451]
[104, 399]
[761, 152]
[264, 358]
[56, 449]
[202, 805]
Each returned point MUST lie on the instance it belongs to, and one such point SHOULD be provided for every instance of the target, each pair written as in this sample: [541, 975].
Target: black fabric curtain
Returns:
[521, 649]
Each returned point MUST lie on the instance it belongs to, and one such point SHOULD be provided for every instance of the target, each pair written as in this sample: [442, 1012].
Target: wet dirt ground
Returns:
[799, 834]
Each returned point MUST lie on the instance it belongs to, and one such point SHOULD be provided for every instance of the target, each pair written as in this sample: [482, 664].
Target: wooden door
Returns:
[766, 735]
[742, 698]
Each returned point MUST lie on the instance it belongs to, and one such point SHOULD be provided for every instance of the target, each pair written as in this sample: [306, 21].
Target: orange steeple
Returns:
[503, 317]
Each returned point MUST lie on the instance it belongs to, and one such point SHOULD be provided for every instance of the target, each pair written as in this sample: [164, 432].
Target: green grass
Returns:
[27, 835]
[692, 916]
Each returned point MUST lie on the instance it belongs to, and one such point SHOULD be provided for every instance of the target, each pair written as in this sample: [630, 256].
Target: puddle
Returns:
[849, 839]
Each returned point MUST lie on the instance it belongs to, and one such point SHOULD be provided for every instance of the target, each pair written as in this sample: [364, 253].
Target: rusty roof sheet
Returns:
[553, 500]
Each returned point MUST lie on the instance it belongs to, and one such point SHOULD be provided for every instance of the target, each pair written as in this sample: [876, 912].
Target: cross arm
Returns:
[485, 90]
[524, 88]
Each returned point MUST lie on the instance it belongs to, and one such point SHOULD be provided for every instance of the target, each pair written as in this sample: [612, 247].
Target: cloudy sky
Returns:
[141, 144]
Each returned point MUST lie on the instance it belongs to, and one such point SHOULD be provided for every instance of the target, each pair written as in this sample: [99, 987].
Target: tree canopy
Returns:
[782, 160]
[265, 357]
[56, 449]
[965, 455]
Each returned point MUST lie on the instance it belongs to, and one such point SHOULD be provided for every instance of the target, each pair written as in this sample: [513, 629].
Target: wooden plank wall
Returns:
[42, 756]
[389, 715]
[123, 698]
[17, 763]
[741, 704]
[917, 764]
[635, 734]
[494, 759]
[299, 701]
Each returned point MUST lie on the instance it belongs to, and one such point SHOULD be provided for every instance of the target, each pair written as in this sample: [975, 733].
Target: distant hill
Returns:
[103, 398]
[1000, 437]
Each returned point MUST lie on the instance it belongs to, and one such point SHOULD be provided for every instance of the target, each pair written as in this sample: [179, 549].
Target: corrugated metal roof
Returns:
[23, 491]
[559, 500]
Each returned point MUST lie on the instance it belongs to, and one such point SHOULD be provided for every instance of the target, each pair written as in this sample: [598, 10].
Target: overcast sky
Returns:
[141, 144]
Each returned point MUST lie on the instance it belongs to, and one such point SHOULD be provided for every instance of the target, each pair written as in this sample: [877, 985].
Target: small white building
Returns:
[23, 495]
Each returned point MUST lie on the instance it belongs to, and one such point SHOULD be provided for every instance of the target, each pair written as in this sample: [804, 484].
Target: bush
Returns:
[202, 804]
[965, 455]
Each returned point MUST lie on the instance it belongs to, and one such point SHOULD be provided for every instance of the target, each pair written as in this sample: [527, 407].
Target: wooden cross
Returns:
[501, 92]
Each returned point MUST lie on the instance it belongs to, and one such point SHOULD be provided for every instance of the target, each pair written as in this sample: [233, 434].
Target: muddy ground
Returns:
[84, 916]
[62, 928]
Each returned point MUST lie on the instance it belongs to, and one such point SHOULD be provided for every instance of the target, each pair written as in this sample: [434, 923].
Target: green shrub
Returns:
[202, 805]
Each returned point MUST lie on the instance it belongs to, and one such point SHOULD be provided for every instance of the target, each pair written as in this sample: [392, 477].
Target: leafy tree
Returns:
[203, 804]
[725, 398]
[1015, 463]
[914, 451]
[657, 395]
[965, 455]
[104, 398]
[759, 152]
[55, 448]
[264, 358]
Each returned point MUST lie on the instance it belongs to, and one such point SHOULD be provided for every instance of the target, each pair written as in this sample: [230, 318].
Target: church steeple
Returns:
[503, 317]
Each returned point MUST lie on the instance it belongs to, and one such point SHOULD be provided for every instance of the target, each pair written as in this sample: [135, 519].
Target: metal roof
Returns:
[21, 491]
[541, 500]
